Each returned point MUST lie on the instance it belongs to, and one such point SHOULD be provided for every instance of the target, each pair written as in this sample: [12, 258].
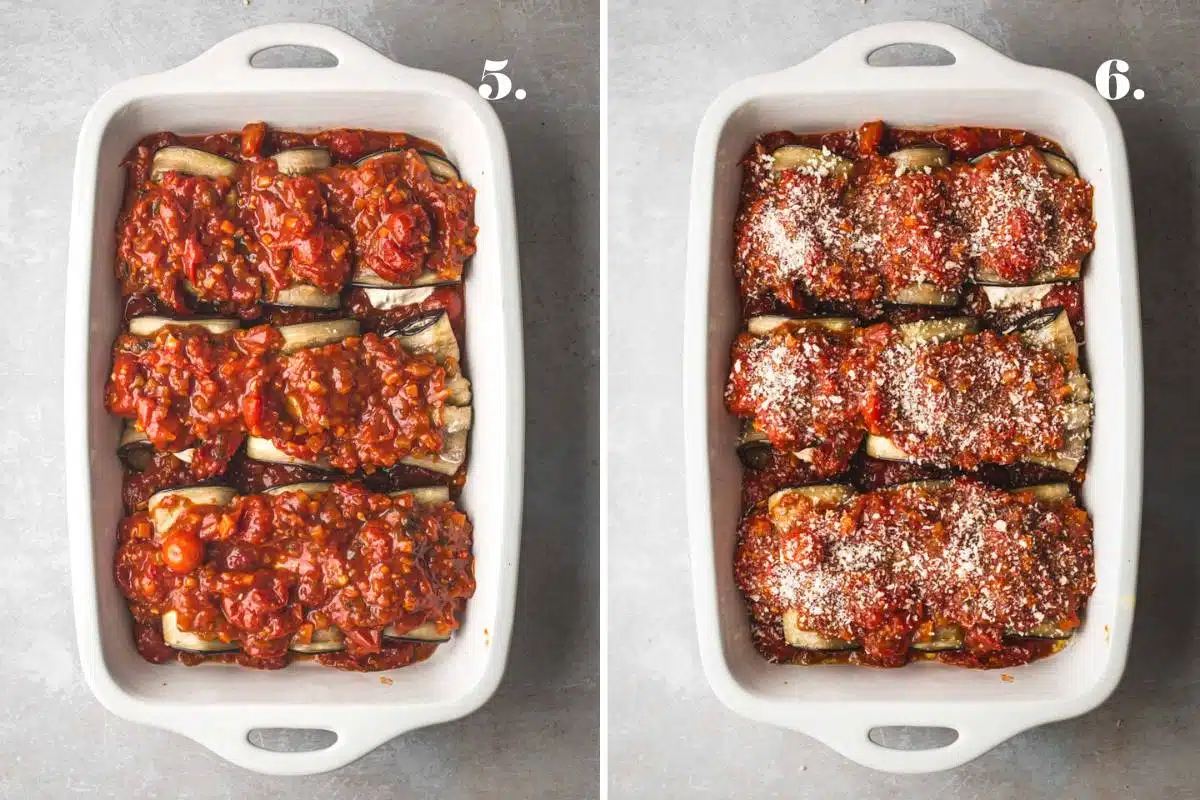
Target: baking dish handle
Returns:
[231, 56]
[230, 740]
[850, 53]
[852, 739]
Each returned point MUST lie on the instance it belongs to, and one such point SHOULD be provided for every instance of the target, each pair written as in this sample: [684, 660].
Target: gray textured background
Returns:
[538, 737]
[669, 735]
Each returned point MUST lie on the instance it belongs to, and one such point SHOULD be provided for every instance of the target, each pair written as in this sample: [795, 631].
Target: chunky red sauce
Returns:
[403, 221]
[268, 572]
[295, 239]
[882, 568]
[362, 403]
[188, 387]
[225, 244]
[984, 397]
[854, 229]
[799, 387]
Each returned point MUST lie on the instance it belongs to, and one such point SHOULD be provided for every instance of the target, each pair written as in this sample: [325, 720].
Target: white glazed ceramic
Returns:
[839, 704]
[218, 704]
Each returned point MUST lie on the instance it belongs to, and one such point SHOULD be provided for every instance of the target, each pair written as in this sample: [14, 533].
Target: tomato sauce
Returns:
[800, 387]
[186, 387]
[268, 571]
[362, 403]
[854, 229]
[403, 221]
[194, 244]
[984, 397]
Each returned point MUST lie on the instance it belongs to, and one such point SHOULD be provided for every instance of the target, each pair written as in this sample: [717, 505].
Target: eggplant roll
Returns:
[931, 636]
[1050, 331]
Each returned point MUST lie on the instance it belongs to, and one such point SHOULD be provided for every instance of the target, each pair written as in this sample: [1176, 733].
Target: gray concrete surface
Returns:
[539, 736]
[669, 735]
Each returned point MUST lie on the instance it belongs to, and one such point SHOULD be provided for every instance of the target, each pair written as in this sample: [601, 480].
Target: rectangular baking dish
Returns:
[838, 704]
[217, 705]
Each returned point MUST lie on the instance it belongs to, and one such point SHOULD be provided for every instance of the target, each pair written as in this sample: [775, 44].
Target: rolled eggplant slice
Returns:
[460, 390]
[1078, 431]
[440, 167]
[943, 638]
[819, 162]
[148, 326]
[190, 161]
[261, 449]
[822, 495]
[363, 276]
[302, 160]
[1061, 166]
[316, 334]
[1047, 492]
[190, 642]
[456, 419]
[755, 450]
[137, 456]
[426, 632]
[1047, 630]
[1051, 330]
[885, 449]
[1058, 164]
[935, 331]
[765, 324]
[750, 435]
[385, 299]
[426, 495]
[163, 518]
[447, 462]
[304, 295]
[1077, 421]
[309, 488]
[919, 158]
[986, 277]
[923, 294]
[932, 485]
[809, 640]
[135, 449]
[430, 334]
[946, 638]
[324, 640]
[755, 455]
[1002, 298]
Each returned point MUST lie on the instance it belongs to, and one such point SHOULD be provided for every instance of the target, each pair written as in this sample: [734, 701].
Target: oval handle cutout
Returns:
[293, 56]
[912, 737]
[905, 54]
[291, 740]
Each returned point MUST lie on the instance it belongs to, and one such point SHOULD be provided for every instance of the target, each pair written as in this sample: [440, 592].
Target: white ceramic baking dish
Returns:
[839, 704]
[217, 704]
